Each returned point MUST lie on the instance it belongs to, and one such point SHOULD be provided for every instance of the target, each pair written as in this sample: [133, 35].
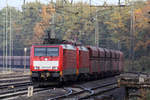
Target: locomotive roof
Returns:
[82, 48]
[45, 44]
[68, 46]
[65, 46]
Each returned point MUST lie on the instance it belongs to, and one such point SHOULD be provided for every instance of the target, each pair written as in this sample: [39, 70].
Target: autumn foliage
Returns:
[77, 21]
[42, 26]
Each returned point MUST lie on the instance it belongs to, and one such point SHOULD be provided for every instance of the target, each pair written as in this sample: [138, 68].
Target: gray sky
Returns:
[18, 3]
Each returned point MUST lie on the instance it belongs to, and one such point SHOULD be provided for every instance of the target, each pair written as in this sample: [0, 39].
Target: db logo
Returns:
[46, 59]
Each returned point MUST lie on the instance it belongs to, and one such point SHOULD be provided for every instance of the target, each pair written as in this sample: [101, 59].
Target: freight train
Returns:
[68, 62]
[15, 61]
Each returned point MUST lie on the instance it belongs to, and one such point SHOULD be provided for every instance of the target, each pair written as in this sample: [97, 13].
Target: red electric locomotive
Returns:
[53, 62]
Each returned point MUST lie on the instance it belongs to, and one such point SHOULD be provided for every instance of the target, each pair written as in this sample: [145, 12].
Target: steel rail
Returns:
[100, 91]
[12, 76]
[84, 90]
[14, 84]
[13, 80]
[20, 92]
[69, 92]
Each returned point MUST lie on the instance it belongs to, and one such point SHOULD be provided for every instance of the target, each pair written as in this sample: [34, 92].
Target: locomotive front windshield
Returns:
[46, 51]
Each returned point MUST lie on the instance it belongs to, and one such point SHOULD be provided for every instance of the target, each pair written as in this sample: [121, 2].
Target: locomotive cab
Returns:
[45, 62]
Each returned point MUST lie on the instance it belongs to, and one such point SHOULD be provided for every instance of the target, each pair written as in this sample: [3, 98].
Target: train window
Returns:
[52, 51]
[39, 51]
[43, 51]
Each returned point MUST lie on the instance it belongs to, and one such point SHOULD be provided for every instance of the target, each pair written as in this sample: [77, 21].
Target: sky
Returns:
[17, 3]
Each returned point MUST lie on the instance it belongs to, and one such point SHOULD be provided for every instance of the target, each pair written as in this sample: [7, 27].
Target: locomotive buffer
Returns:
[135, 84]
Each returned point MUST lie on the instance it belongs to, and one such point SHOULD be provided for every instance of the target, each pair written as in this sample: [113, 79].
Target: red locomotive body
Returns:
[83, 60]
[52, 62]
[69, 61]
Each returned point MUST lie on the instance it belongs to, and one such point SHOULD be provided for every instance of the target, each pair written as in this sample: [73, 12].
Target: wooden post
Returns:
[30, 91]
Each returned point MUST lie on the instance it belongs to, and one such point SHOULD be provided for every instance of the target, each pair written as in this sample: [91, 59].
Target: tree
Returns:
[30, 16]
[43, 26]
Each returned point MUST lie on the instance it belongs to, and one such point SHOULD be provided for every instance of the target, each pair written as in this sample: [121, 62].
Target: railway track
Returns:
[75, 91]
[13, 76]
[11, 87]
[85, 93]
[14, 84]
[18, 92]
[14, 81]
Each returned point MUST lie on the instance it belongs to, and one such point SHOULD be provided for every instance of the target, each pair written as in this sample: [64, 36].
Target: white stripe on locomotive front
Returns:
[45, 64]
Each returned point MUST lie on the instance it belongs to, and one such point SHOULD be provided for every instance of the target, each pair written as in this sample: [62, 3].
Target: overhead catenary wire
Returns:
[91, 5]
